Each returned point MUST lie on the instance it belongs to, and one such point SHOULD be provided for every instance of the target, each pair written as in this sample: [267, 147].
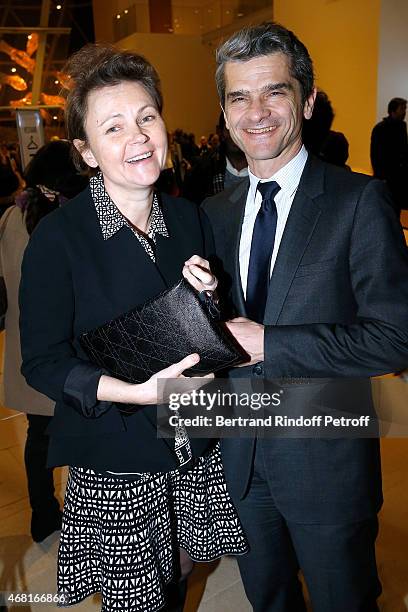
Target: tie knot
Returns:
[268, 190]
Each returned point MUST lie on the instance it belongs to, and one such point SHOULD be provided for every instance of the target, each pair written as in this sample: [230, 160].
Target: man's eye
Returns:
[237, 99]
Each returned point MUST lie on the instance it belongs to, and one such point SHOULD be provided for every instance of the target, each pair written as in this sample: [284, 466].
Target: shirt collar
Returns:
[287, 177]
[111, 219]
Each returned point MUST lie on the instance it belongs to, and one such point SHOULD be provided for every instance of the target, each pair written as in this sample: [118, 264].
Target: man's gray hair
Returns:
[264, 39]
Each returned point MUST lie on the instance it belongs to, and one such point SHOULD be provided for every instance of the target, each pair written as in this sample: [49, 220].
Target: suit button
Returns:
[257, 369]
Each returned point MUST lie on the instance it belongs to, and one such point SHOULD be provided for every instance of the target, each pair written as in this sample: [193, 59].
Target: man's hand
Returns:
[250, 336]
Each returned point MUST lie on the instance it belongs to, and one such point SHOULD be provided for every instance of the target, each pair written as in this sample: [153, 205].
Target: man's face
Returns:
[401, 112]
[264, 111]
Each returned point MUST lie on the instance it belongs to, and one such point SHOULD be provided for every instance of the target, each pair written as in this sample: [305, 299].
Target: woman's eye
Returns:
[112, 129]
[147, 119]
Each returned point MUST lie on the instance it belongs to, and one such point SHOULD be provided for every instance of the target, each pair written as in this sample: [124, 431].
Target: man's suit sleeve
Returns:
[377, 343]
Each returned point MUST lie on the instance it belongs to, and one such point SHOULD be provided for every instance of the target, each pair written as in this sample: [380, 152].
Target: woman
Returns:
[10, 180]
[132, 500]
[50, 178]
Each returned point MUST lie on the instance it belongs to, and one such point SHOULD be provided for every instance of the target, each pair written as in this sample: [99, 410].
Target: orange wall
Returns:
[186, 68]
[343, 38]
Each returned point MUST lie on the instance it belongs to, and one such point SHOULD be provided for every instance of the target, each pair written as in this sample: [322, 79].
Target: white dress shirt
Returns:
[288, 179]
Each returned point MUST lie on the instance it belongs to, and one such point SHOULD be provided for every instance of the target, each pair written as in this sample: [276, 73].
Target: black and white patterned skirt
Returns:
[121, 538]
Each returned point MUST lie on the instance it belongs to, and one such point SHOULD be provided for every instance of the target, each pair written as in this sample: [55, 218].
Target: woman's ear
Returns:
[85, 152]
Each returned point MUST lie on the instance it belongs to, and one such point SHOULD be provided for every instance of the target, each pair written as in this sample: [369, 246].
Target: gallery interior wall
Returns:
[186, 68]
[393, 54]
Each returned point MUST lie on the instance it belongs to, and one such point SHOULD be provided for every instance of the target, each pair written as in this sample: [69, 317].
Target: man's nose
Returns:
[258, 110]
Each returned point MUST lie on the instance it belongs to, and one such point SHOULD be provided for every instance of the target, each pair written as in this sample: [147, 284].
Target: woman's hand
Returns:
[113, 390]
[198, 273]
[149, 391]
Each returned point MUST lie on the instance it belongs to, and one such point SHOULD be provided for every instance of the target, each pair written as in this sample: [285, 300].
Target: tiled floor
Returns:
[29, 567]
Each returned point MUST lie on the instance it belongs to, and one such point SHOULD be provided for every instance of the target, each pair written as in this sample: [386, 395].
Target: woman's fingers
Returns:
[197, 260]
[198, 273]
[177, 369]
[194, 278]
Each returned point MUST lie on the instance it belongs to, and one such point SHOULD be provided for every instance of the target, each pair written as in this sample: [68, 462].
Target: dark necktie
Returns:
[263, 239]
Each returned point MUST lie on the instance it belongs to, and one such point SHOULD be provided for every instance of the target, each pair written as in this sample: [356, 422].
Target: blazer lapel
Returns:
[236, 212]
[171, 251]
[302, 220]
[170, 258]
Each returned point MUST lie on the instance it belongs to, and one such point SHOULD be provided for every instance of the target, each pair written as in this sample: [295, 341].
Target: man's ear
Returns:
[309, 104]
[85, 152]
[225, 117]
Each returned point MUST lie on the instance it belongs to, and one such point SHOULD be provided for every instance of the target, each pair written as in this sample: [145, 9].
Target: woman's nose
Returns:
[138, 136]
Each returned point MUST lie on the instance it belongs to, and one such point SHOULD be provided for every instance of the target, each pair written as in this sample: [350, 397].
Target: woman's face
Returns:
[126, 136]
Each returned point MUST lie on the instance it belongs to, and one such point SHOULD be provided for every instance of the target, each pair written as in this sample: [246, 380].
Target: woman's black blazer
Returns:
[72, 281]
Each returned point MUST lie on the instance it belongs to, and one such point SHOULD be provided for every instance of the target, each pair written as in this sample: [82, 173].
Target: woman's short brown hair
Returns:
[96, 66]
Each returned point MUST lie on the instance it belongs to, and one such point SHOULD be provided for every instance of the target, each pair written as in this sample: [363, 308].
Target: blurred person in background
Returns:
[319, 138]
[203, 146]
[222, 167]
[389, 152]
[10, 179]
[51, 178]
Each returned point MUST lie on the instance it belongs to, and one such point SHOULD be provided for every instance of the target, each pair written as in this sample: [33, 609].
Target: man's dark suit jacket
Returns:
[337, 307]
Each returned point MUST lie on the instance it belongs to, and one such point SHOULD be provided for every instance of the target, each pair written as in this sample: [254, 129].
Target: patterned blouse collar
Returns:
[111, 219]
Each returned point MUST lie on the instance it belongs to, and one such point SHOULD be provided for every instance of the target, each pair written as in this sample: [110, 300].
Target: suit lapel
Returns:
[302, 220]
[237, 202]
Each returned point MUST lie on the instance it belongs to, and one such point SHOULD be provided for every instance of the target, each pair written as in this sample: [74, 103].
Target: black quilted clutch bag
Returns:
[160, 332]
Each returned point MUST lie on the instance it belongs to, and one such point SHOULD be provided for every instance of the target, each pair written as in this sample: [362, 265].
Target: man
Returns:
[389, 152]
[319, 138]
[219, 169]
[319, 278]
